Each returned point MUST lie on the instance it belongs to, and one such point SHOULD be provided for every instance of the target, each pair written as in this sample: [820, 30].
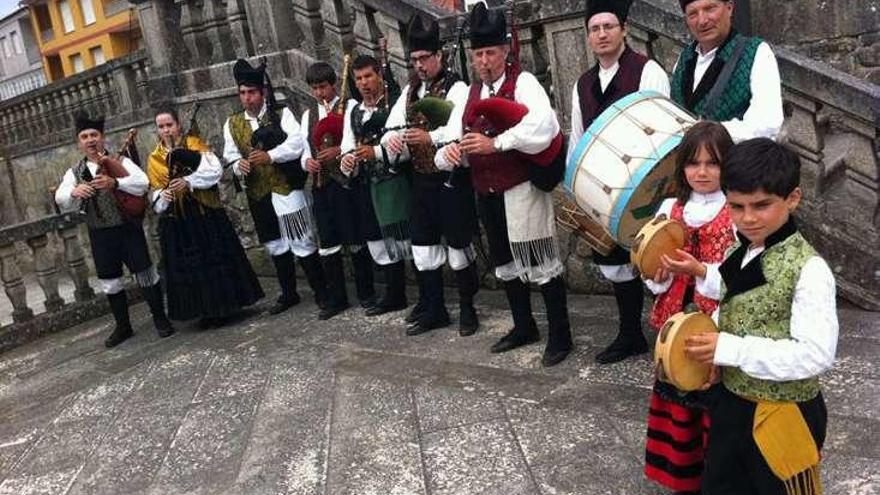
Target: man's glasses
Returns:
[422, 59]
[595, 29]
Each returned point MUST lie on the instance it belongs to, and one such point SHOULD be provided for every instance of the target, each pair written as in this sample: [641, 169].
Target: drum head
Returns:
[658, 237]
[677, 368]
[651, 184]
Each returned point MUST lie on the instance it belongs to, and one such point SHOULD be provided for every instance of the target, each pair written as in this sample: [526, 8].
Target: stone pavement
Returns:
[288, 404]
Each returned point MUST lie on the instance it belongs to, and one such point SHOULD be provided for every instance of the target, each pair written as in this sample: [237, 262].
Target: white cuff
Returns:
[727, 350]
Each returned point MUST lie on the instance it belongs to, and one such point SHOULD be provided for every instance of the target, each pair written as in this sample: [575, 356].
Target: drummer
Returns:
[674, 451]
[618, 72]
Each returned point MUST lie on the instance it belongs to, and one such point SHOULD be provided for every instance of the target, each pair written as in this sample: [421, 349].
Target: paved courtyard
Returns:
[289, 404]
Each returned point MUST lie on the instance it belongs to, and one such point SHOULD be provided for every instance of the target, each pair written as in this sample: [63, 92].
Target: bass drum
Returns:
[623, 166]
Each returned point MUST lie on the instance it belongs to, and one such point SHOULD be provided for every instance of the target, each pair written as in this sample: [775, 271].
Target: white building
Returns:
[21, 67]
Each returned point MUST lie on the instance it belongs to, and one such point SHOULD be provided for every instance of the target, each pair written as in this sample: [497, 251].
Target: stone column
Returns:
[47, 272]
[76, 262]
[236, 15]
[308, 15]
[160, 25]
[13, 284]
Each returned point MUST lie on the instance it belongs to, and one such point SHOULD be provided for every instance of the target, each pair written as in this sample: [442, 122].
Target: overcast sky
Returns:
[7, 7]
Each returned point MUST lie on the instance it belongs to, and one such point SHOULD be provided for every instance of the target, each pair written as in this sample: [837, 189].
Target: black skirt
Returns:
[444, 212]
[206, 271]
[345, 216]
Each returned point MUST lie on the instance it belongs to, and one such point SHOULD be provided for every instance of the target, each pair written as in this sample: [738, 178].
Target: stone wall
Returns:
[844, 33]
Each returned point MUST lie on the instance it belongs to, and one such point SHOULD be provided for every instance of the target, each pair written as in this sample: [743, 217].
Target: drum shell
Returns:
[623, 166]
[656, 238]
[670, 361]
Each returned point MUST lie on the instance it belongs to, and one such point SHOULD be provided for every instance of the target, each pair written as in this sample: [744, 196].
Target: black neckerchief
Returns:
[740, 279]
[691, 95]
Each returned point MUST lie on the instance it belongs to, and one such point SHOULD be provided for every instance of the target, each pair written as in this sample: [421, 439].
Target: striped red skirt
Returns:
[678, 428]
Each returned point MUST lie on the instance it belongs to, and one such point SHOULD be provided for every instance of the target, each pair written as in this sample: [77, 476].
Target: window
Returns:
[7, 52]
[16, 42]
[88, 11]
[76, 61]
[97, 54]
[66, 15]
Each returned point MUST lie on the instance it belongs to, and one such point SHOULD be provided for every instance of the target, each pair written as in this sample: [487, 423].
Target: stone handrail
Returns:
[44, 116]
[36, 235]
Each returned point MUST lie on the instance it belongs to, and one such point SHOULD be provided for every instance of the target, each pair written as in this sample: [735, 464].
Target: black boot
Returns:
[524, 330]
[311, 264]
[363, 278]
[337, 299]
[413, 317]
[435, 314]
[559, 343]
[119, 307]
[286, 271]
[468, 285]
[629, 341]
[153, 296]
[395, 291]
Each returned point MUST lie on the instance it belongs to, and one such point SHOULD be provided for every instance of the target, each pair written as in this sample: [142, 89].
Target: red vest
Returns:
[707, 244]
[625, 81]
[497, 172]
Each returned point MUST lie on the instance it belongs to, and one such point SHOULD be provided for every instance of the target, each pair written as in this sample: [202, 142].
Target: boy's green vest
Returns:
[765, 311]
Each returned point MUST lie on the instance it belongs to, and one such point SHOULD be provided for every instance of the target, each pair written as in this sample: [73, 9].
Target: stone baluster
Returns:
[61, 119]
[92, 88]
[76, 263]
[366, 32]
[40, 116]
[47, 272]
[190, 25]
[236, 15]
[13, 284]
[4, 124]
[337, 28]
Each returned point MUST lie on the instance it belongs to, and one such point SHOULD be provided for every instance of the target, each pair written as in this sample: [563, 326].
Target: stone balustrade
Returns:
[44, 117]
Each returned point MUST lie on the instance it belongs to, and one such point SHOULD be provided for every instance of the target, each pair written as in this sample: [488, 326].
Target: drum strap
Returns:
[717, 90]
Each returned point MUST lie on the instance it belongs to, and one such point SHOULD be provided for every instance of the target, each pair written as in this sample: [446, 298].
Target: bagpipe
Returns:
[180, 160]
[132, 207]
[327, 132]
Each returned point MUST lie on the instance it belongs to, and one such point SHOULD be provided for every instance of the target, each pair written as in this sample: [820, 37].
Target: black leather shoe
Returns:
[331, 310]
[468, 323]
[427, 323]
[417, 310]
[283, 304]
[381, 308]
[622, 348]
[120, 334]
[552, 358]
[368, 302]
[513, 340]
[163, 327]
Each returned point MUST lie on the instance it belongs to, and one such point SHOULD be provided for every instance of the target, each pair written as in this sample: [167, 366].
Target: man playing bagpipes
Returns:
[513, 168]
[443, 205]
[385, 210]
[96, 184]
[618, 72]
[206, 271]
[336, 198]
[264, 144]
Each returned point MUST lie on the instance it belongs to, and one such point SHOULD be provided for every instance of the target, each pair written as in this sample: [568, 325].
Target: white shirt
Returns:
[764, 116]
[457, 94]
[699, 210]
[531, 135]
[205, 176]
[653, 77]
[291, 149]
[306, 131]
[813, 327]
[136, 183]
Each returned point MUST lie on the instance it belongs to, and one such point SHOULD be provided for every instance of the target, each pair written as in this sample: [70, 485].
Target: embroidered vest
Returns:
[422, 156]
[736, 97]
[496, 172]
[629, 76]
[101, 209]
[261, 180]
[765, 311]
[708, 244]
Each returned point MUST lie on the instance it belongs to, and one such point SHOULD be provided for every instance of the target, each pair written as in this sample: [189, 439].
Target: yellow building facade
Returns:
[77, 35]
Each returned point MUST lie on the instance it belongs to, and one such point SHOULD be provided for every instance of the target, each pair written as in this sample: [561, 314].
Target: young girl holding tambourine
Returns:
[677, 424]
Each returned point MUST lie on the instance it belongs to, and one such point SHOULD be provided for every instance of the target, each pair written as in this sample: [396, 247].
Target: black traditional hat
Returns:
[422, 36]
[488, 27]
[82, 122]
[620, 8]
[246, 74]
